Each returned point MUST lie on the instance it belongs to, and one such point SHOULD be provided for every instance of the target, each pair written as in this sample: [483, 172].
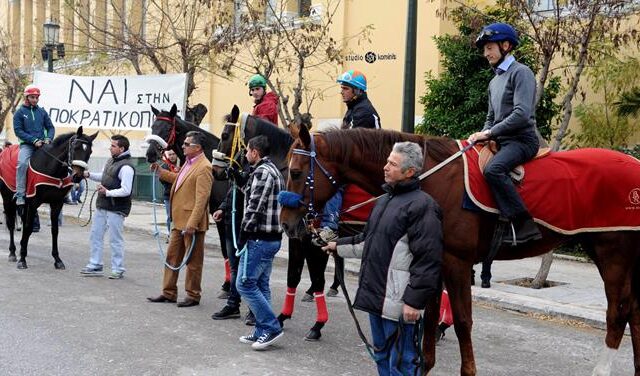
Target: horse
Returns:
[280, 140]
[168, 132]
[358, 156]
[62, 163]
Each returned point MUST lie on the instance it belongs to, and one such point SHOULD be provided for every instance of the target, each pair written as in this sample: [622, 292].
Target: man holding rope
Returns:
[112, 206]
[401, 251]
[189, 203]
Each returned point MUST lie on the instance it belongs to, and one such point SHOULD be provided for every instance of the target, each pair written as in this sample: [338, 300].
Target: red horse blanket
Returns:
[354, 195]
[8, 166]
[584, 190]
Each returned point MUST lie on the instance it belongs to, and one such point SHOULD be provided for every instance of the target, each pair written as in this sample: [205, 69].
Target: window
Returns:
[304, 8]
[546, 5]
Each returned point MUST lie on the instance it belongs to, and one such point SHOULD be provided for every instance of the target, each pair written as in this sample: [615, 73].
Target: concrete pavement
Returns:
[578, 296]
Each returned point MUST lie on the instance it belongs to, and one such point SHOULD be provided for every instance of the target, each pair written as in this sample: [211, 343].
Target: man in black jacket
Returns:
[401, 251]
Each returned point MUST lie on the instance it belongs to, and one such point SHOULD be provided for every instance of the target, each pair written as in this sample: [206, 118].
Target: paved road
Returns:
[59, 323]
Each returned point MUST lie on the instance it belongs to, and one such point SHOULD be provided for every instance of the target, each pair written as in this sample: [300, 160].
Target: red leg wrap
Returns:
[321, 306]
[227, 271]
[289, 299]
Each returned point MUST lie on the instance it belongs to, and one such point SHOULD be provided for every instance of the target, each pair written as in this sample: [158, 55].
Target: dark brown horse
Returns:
[300, 250]
[358, 156]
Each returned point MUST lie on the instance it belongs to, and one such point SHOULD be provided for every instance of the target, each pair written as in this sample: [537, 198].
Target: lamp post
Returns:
[51, 38]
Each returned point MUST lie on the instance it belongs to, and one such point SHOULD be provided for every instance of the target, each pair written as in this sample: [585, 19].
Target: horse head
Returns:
[311, 183]
[163, 134]
[79, 153]
[228, 133]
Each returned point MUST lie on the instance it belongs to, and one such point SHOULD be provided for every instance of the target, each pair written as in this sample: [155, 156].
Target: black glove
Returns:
[242, 240]
[239, 177]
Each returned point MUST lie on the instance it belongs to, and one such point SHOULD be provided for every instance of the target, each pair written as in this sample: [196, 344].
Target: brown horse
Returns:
[358, 156]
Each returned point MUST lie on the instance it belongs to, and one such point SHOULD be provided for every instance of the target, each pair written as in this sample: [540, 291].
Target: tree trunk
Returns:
[545, 265]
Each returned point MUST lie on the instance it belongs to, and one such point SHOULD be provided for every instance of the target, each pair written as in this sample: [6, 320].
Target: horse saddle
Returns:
[488, 150]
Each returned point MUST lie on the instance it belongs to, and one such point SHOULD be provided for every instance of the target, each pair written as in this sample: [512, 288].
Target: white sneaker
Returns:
[266, 340]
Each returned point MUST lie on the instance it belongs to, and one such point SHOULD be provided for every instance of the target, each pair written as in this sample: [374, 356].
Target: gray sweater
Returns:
[511, 103]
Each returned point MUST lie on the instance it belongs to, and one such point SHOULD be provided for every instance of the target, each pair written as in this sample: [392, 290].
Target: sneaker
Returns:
[248, 339]
[250, 319]
[91, 271]
[266, 340]
[332, 292]
[227, 312]
[116, 275]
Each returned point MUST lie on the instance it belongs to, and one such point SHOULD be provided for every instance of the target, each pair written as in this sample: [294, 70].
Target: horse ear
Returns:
[155, 111]
[294, 130]
[304, 136]
[235, 114]
[173, 111]
[93, 136]
[79, 132]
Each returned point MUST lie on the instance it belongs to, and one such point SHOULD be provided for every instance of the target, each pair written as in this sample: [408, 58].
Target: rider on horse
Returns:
[266, 104]
[360, 114]
[511, 123]
[34, 128]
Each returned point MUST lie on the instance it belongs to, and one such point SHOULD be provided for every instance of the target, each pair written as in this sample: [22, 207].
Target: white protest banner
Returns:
[109, 102]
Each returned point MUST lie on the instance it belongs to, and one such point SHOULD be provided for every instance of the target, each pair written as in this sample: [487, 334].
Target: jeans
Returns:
[114, 222]
[167, 209]
[511, 154]
[234, 296]
[387, 360]
[254, 286]
[25, 153]
[331, 211]
[76, 193]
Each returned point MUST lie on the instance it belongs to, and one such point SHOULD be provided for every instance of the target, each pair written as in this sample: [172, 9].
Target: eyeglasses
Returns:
[187, 144]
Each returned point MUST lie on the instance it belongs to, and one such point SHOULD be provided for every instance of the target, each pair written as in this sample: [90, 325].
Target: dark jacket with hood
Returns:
[32, 124]
[401, 250]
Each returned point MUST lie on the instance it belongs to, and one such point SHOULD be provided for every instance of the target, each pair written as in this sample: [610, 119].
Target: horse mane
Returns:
[279, 139]
[62, 139]
[378, 144]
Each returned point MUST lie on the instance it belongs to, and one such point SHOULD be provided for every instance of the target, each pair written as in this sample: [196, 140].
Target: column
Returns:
[100, 21]
[16, 30]
[68, 26]
[27, 34]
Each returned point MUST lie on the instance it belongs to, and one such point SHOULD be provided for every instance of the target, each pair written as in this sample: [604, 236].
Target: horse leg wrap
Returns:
[289, 299]
[227, 270]
[321, 306]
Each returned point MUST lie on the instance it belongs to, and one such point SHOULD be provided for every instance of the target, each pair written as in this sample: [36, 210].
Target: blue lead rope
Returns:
[244, 250]
[156, 234]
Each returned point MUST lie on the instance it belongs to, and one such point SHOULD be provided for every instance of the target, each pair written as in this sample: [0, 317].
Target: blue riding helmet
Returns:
[497, 32]
[353, 78]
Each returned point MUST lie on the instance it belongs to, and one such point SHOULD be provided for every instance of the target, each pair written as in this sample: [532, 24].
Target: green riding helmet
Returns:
[257, 81]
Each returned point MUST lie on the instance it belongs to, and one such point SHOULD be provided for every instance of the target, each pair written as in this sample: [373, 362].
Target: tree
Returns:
[287, 49]
[600, 124]
[159, 36]
[12, 80]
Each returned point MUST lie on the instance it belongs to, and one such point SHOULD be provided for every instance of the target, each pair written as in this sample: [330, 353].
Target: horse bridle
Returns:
[312, 214]
[172, 130]
[70, 161]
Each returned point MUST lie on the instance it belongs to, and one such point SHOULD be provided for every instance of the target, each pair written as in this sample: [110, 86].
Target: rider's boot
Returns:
[524, 229]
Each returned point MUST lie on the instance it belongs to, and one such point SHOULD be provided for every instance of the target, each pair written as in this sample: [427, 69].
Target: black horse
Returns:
[280, 141]
[65, 159]
[168, 132]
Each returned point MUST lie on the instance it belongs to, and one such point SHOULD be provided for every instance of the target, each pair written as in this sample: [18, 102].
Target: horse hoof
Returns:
[22, 265]
[313, 335]
[59, 265]
[281, 318]
[13, 258]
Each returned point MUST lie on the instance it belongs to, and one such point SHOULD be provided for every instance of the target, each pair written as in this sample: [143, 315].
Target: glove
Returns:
[242, 240]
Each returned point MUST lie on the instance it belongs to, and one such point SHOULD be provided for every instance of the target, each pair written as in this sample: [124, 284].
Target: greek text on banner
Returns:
[109, 102]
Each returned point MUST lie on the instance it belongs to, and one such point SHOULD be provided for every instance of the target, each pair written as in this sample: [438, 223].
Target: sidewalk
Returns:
[580, 295]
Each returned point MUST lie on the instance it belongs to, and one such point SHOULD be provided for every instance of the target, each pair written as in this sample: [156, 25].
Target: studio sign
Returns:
[371, 57]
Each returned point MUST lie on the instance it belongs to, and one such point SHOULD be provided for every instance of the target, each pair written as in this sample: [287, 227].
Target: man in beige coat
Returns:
[190, 191]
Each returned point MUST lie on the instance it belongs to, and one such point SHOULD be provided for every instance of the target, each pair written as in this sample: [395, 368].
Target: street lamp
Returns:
[51, 38]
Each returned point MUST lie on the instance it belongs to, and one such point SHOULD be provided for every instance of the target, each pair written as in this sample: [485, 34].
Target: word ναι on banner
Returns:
[109, 102]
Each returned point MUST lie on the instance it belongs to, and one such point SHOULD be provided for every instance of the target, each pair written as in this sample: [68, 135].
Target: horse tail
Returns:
[635, 276]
